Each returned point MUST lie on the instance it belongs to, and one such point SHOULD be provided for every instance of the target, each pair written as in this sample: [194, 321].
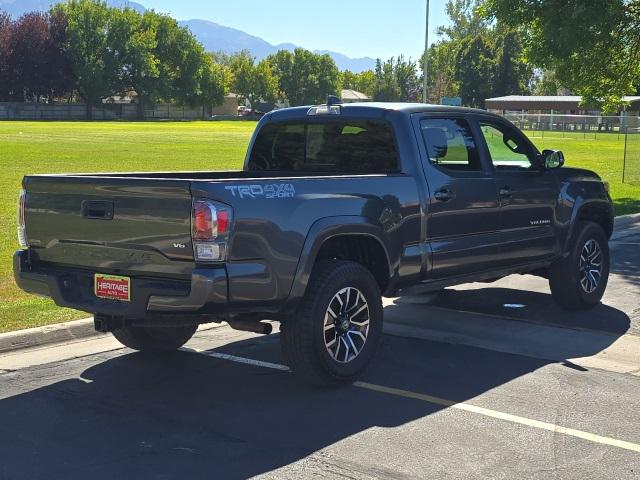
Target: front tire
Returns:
[154, 339]
[335, 332]
[578, 282]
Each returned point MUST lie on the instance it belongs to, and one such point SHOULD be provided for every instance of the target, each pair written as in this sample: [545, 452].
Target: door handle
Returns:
[506, 192]
[443, 195]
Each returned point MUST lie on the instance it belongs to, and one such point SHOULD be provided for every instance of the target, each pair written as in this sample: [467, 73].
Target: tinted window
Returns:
[507, 148]
[450, 144]
[331, 146]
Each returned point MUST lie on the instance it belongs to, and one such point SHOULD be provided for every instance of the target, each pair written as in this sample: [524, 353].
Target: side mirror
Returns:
[552, 159]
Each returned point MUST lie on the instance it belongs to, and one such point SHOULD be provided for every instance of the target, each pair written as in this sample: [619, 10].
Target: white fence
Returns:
[631, 167]
[116, 111]
[573, 123]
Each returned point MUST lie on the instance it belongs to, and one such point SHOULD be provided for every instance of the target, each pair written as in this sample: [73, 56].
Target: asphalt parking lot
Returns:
[485, 381]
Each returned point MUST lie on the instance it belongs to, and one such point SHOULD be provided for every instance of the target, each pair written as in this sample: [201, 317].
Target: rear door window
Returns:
[450, 144]
[331, 146]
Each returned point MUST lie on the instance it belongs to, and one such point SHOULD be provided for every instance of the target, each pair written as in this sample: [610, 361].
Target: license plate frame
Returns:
[112, 287]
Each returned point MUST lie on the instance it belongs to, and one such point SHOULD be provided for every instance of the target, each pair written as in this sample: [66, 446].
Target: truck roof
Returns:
[374, 109]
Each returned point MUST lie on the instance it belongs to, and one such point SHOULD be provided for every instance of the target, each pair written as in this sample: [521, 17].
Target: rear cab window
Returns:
[328, 146]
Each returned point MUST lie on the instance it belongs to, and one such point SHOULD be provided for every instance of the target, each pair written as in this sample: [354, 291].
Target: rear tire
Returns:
[578, 282]
[154, 339]
[335, 332]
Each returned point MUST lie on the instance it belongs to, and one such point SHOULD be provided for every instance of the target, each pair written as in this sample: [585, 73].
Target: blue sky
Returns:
[357, 28]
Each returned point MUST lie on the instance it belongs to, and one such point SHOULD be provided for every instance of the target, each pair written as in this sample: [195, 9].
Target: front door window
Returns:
[507, 149]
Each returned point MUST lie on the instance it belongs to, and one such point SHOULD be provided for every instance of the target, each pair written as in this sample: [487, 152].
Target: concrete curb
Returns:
[59, 333]
[49, 334]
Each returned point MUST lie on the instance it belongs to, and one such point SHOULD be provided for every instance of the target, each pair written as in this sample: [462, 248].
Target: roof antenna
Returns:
[333, 100]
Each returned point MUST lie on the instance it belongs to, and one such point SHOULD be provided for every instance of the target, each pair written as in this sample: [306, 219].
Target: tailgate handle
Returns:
[98, 209]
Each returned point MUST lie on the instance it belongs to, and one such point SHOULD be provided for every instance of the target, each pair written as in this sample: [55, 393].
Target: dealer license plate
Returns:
[112, 287]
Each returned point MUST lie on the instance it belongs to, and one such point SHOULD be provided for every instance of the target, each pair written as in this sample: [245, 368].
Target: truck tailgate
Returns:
[111, 224]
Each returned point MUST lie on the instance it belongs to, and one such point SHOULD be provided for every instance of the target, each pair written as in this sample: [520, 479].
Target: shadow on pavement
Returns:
[625, 260]
[533, 307]
[191, 416]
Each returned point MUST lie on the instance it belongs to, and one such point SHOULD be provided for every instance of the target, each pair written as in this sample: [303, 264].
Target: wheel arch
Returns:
[353, 238]
[596, 211]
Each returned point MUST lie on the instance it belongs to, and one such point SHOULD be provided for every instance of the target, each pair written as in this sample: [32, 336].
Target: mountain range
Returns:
[213, 36]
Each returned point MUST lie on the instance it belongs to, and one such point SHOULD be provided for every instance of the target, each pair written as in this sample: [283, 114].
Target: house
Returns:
[229, 105]
[353, 96]
[559, 104]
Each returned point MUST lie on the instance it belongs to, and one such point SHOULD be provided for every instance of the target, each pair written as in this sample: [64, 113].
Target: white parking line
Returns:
[634, 447]
[248, 361]
[591, 437]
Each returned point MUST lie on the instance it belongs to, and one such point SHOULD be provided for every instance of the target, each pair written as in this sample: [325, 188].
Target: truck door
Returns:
[528, 195]
[462, 227]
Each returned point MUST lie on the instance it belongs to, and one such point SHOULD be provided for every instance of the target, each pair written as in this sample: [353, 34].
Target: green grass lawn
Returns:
[57, 147]
[603, 153]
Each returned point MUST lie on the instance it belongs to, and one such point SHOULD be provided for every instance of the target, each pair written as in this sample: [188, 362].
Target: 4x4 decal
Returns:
[268, 191]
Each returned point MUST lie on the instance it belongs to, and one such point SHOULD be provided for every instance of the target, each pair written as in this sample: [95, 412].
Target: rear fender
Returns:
[321, 231]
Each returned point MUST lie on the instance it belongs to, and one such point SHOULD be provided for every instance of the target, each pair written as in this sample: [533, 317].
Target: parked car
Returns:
[337, 206]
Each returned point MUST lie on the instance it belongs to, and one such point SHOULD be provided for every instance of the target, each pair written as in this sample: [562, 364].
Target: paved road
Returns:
[524, 392]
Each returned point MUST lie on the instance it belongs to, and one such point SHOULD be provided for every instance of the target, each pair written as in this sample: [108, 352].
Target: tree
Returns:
[476, 58]
[61, 80]
[159, 59]
[365, 81]
[282, 64]
[593, 46]
[348, 79]
[305, 78]
[34, 64]
[87, 44]
[475, 73]
[133, 39]
[513, 74]
[254, 82]
[223, 61]
[361, 82]
[28, 58]
[396, 80]
[546, 83]
[386, 88]
[213, 84]
[465, 21]
[441, 80]
[405, 72]
[6, 27]
[326, 80]
[183, 62]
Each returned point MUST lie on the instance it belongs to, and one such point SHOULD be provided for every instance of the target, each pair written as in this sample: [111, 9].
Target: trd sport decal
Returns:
[269, 191]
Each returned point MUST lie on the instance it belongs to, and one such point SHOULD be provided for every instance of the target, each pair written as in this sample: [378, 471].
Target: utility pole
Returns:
[426, 58]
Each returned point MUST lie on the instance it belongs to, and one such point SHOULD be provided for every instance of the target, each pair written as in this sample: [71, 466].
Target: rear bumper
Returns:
[206, 293]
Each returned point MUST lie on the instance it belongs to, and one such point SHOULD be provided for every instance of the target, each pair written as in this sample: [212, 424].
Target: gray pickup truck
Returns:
[337, 206]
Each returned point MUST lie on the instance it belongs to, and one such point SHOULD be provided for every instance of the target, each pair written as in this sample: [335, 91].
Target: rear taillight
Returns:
[211, 225]
[22, 232]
